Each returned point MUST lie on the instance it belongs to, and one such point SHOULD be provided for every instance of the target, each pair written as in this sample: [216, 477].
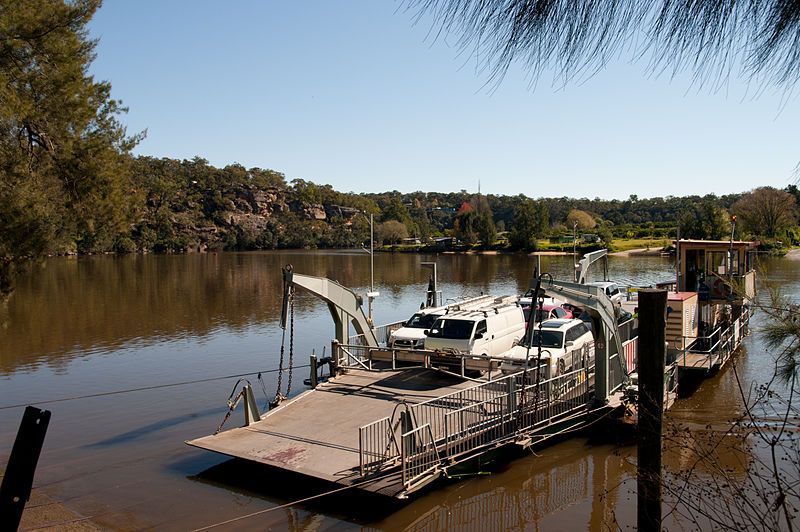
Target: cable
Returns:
[306, 499]
[143, 388]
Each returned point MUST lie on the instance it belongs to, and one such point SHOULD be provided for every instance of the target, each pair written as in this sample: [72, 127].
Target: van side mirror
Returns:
[478, 336]
[569, 343]
[425, 332]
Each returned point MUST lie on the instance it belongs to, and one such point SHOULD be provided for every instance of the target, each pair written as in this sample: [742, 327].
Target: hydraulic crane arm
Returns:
[590, 258]
[343, 304]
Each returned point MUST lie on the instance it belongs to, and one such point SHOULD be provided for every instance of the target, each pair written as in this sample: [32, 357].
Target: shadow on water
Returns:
[145, 430]
[284, 487]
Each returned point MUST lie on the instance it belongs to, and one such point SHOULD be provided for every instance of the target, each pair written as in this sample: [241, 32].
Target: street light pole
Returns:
[575, 248]
[372, 294]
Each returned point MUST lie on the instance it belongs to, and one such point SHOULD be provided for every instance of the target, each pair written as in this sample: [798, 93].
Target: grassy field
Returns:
[639, 243]
[620, 244]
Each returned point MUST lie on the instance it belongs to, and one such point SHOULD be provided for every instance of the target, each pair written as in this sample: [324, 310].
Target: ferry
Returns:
[392, 421]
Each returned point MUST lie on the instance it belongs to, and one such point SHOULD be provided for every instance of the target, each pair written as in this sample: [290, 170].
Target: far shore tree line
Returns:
[174, 206]
[178, 206]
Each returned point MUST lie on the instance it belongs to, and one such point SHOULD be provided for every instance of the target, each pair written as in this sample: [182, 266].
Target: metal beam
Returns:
[588, 259]
[343, 304]
[603, 311]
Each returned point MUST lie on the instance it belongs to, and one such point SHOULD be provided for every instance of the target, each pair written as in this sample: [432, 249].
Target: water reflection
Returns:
[570, 488]
[76, 307]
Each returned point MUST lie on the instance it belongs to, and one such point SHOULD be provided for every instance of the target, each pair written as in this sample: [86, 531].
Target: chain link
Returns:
[291, 345]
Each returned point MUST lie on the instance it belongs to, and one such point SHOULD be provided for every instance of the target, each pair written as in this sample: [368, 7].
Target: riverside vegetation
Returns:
[69, 183]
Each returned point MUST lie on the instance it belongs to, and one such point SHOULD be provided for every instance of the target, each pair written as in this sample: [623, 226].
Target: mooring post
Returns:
[312, 363]
[652, 351]
[335, 354]
[15, 490]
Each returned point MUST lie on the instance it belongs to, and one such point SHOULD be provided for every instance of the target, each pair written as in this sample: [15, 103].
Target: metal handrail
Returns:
[352, 356]
[413, 467]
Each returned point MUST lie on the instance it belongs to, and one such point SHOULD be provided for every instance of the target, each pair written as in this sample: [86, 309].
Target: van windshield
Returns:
[421, 321]
[547, 338]
[453, 329]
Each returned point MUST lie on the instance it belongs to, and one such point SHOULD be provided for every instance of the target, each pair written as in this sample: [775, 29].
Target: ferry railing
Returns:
[628, 329]
[377, 445]
[480, 413]
[432, 412]
[715, 346]
[420, 457]
[484, 414]
[382, 333]
[558, 397]
[477, 425]
[630, 351]
[346, 355]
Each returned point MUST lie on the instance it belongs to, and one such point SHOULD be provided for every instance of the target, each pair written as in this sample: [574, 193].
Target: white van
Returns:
[488, 331]
[412, 334]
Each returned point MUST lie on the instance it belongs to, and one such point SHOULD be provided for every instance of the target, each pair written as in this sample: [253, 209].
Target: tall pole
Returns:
[575, 249]
[372, 294]
[371, 260]
[652, 351]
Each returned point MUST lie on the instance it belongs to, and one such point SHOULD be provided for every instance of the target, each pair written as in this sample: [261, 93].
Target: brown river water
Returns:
[95, 326]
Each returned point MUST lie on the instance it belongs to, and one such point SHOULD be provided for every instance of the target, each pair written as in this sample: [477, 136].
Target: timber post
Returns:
[15, 489]
[652, 351]
[312, 363]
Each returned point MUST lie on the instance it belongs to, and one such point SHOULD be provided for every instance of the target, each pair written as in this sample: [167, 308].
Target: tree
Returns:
[464, 224]
[583, 219]
[707, 38]
[530, 222]
[391, 232]
[765, 211]
[483, 223]
[64, 165]
[705, 219]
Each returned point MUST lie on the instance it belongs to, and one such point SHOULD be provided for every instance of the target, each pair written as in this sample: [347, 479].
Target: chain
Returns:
[291, 344]
[233, 403]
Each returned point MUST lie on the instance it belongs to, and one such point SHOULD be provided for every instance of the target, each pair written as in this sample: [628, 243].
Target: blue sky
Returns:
[355, 94]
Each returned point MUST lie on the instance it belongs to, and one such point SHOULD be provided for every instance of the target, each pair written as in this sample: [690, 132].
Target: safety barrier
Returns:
[420, 457]
[461, 422]
[377, 445]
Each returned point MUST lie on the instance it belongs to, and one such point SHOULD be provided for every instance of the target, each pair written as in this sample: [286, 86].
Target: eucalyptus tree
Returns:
[63, 152]
[757, 40]
[766, 211]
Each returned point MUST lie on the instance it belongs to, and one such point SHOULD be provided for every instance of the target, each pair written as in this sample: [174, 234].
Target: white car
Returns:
[412, 334]
[611, 289]
[563, 342]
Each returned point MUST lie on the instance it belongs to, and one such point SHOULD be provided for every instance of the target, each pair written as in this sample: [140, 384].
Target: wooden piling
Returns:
[652, 351]
[15, 489]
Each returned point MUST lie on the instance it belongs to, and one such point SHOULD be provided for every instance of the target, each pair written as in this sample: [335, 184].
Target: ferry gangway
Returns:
[712, 350]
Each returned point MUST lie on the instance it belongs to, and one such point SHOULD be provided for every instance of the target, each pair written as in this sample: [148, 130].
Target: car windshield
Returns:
[526, 311]
[547, 338]
[453, 329]
[421, 321]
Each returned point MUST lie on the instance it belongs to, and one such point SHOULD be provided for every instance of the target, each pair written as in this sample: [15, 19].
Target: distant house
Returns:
[590, 238]
[444, 242]
[412, 241]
